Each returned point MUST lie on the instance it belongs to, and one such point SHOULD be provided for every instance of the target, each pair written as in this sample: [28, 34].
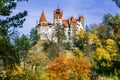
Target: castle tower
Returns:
[42, 27]
[43, 21]
[57, 16]
[81, 18]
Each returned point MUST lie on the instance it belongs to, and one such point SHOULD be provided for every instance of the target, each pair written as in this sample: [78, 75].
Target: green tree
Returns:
[115, 24]
[82, 38]
[117, 2]
[107, 18]
[60, 35]
[52, 49]
[22, 46]
[8, 27]
[112, 26]
[34, 37]
[105, 54]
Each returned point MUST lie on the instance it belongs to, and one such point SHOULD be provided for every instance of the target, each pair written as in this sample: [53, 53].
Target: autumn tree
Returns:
[37, 60]
[102, 32]
[106, 58]
[115, 24]
[14, 73]
[69, 68]
[81, 39]
[112, 27]
[104, 55]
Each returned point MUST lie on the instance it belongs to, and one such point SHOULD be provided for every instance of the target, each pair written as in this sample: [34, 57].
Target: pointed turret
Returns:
[43, 17]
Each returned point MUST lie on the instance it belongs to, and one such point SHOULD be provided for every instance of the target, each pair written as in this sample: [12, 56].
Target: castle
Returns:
[47, 30]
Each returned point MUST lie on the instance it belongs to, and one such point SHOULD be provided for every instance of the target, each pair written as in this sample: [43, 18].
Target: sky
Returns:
[92, 10]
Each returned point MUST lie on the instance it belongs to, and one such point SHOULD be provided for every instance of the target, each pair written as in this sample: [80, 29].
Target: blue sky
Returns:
[92, 10]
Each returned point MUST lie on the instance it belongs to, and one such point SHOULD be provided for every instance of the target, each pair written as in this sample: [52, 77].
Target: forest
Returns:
[95, 55]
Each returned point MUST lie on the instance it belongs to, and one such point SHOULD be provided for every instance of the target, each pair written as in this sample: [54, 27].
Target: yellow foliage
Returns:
[93, 38]
[46, 77]
[111, 47]
[17, 71]
[102, 53]
[82, 34]
[3, 74]
[110, 42]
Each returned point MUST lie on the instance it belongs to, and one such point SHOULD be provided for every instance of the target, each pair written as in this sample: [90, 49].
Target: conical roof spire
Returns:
[43, 17]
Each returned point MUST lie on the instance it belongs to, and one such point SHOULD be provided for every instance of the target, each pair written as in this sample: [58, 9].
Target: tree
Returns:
[81, 40]
[60, 34]
[53, 50]
[115, 24]
[34, 37]
[5, 10]
[8, 26]
[106, 59]
[117, 2]
[107, 18]
[22, 46]
[102, 32]
[37, 59]
[104, 44]
[60, 37]
[16, 73]
[111, 24]
[70, 68]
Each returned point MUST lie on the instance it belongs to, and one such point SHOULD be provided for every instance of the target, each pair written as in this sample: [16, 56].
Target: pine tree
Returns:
[34, 37]
[117, 2]
[8, 28]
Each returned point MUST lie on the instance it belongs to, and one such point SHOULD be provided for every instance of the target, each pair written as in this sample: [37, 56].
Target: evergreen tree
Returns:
[60, 35]
[34, 37]
[117, 2]
[8, 26]
[22, 46]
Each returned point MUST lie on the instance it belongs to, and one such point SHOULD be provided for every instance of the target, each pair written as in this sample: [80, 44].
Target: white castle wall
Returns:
[48, 32]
